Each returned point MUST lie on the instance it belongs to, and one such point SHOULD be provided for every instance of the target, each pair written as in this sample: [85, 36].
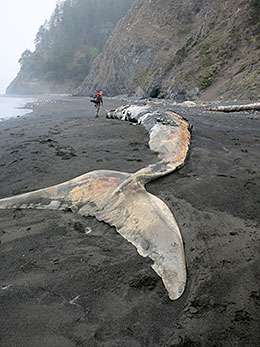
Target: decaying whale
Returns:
[120, 199]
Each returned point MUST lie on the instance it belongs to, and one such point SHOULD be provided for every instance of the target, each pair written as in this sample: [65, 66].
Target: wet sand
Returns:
[60, 286]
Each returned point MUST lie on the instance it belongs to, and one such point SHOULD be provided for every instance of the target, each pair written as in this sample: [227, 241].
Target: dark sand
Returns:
[60, 287]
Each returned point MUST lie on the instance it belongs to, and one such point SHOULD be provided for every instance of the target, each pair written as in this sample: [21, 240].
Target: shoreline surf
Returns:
[14, 106]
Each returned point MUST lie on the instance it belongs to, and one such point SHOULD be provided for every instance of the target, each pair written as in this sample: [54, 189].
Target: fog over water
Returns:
[19, 23]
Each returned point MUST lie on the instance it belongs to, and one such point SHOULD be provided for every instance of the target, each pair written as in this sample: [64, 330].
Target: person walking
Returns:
[98, 102]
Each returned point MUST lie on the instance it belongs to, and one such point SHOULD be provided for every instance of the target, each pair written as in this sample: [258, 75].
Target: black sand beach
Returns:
[61, 287]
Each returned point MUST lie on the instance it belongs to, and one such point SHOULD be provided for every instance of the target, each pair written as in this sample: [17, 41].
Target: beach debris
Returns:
[187, 103]
[73, 301]
[121, 200]
[81, 228]
[87, 230]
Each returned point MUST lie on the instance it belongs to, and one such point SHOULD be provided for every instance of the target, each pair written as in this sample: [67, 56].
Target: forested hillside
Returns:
[67, 44]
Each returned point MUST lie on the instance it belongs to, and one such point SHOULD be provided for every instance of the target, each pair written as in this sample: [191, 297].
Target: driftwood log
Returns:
[233, 108]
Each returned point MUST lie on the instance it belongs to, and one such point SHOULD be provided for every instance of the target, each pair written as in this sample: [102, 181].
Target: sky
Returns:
[19, 23]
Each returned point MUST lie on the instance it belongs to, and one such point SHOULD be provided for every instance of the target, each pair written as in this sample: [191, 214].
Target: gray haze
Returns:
[19, 23]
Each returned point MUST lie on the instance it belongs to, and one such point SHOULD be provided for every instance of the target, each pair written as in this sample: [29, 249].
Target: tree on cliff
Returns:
[25, 58]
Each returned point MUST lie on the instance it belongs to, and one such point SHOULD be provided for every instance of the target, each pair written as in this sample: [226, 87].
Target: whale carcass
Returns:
[121, 200]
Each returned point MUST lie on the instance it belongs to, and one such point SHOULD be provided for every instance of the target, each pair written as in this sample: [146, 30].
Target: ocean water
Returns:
[9, 106]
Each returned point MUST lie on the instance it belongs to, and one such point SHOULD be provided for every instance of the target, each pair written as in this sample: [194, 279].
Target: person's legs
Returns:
[97, 109]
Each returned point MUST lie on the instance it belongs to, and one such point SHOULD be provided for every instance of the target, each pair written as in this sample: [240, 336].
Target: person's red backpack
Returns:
[97, 99]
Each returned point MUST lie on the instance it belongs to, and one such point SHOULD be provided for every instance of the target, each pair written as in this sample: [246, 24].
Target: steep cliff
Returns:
[182, 49]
